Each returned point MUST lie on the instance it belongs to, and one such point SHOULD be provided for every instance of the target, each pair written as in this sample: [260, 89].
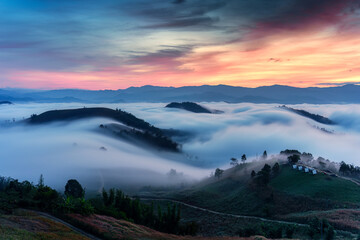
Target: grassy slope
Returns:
[110, 228]
[30, 226]
[316, 186]
[289, 192]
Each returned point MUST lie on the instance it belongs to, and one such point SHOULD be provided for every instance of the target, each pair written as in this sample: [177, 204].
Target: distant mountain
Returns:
[191, 107]
[268, 94]
[315, 117]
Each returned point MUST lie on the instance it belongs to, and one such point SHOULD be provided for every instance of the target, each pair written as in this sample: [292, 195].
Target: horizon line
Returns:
[330, 85]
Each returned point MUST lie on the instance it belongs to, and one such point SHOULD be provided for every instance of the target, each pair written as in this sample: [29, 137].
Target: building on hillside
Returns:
[306, 170]
[294, 166]
[314, 172]
[300, 168]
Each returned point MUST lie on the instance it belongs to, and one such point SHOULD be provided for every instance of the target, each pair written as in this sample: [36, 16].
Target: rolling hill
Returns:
[136, 130]
[315, 117]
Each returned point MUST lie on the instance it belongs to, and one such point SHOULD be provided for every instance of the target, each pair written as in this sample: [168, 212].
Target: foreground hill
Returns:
[220, 93]
[111, 228]
[290, 195]
[31, 225]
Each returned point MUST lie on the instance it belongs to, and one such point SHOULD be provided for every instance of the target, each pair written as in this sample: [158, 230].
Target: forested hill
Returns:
[5, 102]
[189, 106]
[82, 113]
[315, 117]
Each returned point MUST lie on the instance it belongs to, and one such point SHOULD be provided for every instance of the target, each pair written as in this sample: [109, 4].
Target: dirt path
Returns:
[221, 213]
[85, 234]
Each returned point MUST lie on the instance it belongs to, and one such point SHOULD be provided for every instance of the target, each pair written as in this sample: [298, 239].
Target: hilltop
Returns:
[191, 107]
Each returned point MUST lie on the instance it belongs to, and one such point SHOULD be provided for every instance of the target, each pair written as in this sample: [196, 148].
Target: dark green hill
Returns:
[290, 191]
[315, 117]
[191, 107]
[139, 130]
[5, 102]
[82, 113]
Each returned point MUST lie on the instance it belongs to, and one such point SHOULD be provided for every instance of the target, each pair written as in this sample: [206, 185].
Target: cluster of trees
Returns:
[15, 194]
[264, 175]
[235, 161]
[293, 158]
[156, 139]
[116, 204]
[349, 170]
[290, 152]
[268, 231]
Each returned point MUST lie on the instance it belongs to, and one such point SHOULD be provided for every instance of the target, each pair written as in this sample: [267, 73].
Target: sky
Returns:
[115, 44]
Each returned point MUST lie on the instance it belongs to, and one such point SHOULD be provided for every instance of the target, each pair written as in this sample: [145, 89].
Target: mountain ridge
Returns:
[280, 94]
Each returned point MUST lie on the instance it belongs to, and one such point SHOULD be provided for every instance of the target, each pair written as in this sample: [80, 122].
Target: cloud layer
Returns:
[62, 151]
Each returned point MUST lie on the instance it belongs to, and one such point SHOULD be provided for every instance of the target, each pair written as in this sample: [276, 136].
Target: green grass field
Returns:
[316, 186]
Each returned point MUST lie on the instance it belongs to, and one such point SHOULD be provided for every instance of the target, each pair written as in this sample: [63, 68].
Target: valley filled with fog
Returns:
[76, 149]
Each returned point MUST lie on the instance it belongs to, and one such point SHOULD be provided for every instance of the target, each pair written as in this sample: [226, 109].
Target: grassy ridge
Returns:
[296, 182]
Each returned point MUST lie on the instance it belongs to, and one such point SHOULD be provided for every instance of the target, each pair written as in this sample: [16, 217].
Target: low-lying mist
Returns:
[62, 151]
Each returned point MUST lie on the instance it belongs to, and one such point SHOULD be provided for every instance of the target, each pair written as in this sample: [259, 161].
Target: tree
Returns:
[264, 156]
[218, 172]
[234, 162]
[74, 189]
[243, 158]
[276, 168]
[294, 158]
[253, 174]
[41, 182]
[264, 174]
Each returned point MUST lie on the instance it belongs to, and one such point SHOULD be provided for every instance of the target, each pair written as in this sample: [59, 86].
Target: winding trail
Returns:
[221, 213]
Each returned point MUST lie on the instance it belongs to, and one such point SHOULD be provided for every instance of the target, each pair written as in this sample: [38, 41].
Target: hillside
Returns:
[315, 117]
[81, 113]
[30, 225]
[111, 228]
[288, 194]
[137, 129]
[191, 107]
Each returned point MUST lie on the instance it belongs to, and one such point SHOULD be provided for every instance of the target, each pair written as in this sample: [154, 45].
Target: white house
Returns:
[306, 170]
[294, 166]
[314, 172]
[300, 168]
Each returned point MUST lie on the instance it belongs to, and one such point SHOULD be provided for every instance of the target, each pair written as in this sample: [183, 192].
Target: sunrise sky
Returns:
[112, 44]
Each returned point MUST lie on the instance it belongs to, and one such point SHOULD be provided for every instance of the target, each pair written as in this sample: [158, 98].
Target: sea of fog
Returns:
[62, 151]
